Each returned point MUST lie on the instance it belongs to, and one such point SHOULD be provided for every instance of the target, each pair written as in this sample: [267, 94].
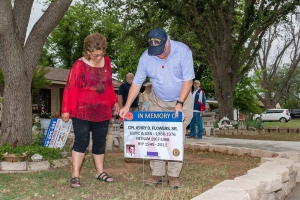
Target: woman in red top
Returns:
[88, 99]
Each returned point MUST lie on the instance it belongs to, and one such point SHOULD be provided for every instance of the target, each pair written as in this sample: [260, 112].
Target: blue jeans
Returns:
[197, 119]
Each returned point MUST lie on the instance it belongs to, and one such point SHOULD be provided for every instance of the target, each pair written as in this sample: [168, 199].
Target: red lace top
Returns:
[89, 92]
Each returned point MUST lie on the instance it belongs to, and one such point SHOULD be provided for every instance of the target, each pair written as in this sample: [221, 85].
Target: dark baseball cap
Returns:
[156, 40]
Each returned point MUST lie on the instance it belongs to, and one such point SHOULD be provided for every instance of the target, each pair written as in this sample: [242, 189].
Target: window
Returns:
[43, 101]
[278, 111]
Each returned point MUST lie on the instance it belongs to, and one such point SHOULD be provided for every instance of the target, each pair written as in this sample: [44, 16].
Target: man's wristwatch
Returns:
[177, 102]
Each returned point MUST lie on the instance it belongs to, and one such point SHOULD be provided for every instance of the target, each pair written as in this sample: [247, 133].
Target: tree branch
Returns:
[43, 28]
[21, 14]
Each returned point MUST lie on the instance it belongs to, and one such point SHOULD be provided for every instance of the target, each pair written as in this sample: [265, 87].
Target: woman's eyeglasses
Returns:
[97, 55]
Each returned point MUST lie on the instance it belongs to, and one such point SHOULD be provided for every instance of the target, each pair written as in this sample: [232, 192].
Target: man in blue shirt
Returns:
[169, 66]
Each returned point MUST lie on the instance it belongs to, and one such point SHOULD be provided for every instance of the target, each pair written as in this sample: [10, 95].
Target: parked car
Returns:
[295, 113]
[281, 115]
[256, 117]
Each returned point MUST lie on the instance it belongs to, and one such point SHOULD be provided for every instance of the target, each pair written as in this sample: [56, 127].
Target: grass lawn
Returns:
[201, 171]
[293, 123]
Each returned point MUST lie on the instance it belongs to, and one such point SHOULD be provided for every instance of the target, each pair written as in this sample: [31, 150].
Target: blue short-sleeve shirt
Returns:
[167, 77]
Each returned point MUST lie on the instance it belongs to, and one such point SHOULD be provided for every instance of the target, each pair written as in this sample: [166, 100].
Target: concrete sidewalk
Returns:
[277, 146]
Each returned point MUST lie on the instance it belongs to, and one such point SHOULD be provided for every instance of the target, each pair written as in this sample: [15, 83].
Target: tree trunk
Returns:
[224, 85]
[17, 108]
[225, 99]
[18, 59]
[226, 104]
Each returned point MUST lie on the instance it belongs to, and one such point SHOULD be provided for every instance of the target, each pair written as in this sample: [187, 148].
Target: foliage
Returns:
[244, 97]
[46, 152]
[252, 123]
[223, 35]
[65, 43]
[216, 124]
[39, 81]
[46, 115]
[291, 96]
[206, 83]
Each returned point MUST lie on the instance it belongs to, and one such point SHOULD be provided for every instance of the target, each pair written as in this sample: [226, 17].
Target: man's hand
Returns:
[178, 108]
[124, 111]
[65, 117]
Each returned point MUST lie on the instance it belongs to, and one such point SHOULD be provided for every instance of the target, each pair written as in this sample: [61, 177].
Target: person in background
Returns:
[199, 108]
[169, 65]
[144, 98]
[56, 115]
[123, 93]
[88, 99]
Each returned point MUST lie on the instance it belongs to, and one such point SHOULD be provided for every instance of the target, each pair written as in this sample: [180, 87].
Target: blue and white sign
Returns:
[57, 133]
[153, 135]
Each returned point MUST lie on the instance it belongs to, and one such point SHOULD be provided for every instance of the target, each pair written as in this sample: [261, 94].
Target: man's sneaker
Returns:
[197, 137]
[190, 136]
[174, 182]
[153, 181]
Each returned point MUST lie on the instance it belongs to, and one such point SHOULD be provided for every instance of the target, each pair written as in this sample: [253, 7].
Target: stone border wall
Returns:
[22, 167]
[274, 178]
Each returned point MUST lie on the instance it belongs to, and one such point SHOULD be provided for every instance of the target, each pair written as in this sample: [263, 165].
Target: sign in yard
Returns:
[153, 135]
[57, 133]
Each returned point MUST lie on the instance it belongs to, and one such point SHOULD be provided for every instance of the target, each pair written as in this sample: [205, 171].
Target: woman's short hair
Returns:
[93, 42]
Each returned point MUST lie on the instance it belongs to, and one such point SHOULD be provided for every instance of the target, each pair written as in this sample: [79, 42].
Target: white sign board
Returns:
[57, 133]
[153, 135]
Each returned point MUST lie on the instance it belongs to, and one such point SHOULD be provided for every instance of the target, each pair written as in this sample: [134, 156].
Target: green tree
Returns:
[65, 43]
[19, 57]
[38, 80]
[291, 96]
[229, 32]
[244, 97]
[282, 42]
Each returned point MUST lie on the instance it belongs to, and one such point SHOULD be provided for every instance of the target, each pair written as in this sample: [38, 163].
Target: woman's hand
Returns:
[65, 117]
[117, 109]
